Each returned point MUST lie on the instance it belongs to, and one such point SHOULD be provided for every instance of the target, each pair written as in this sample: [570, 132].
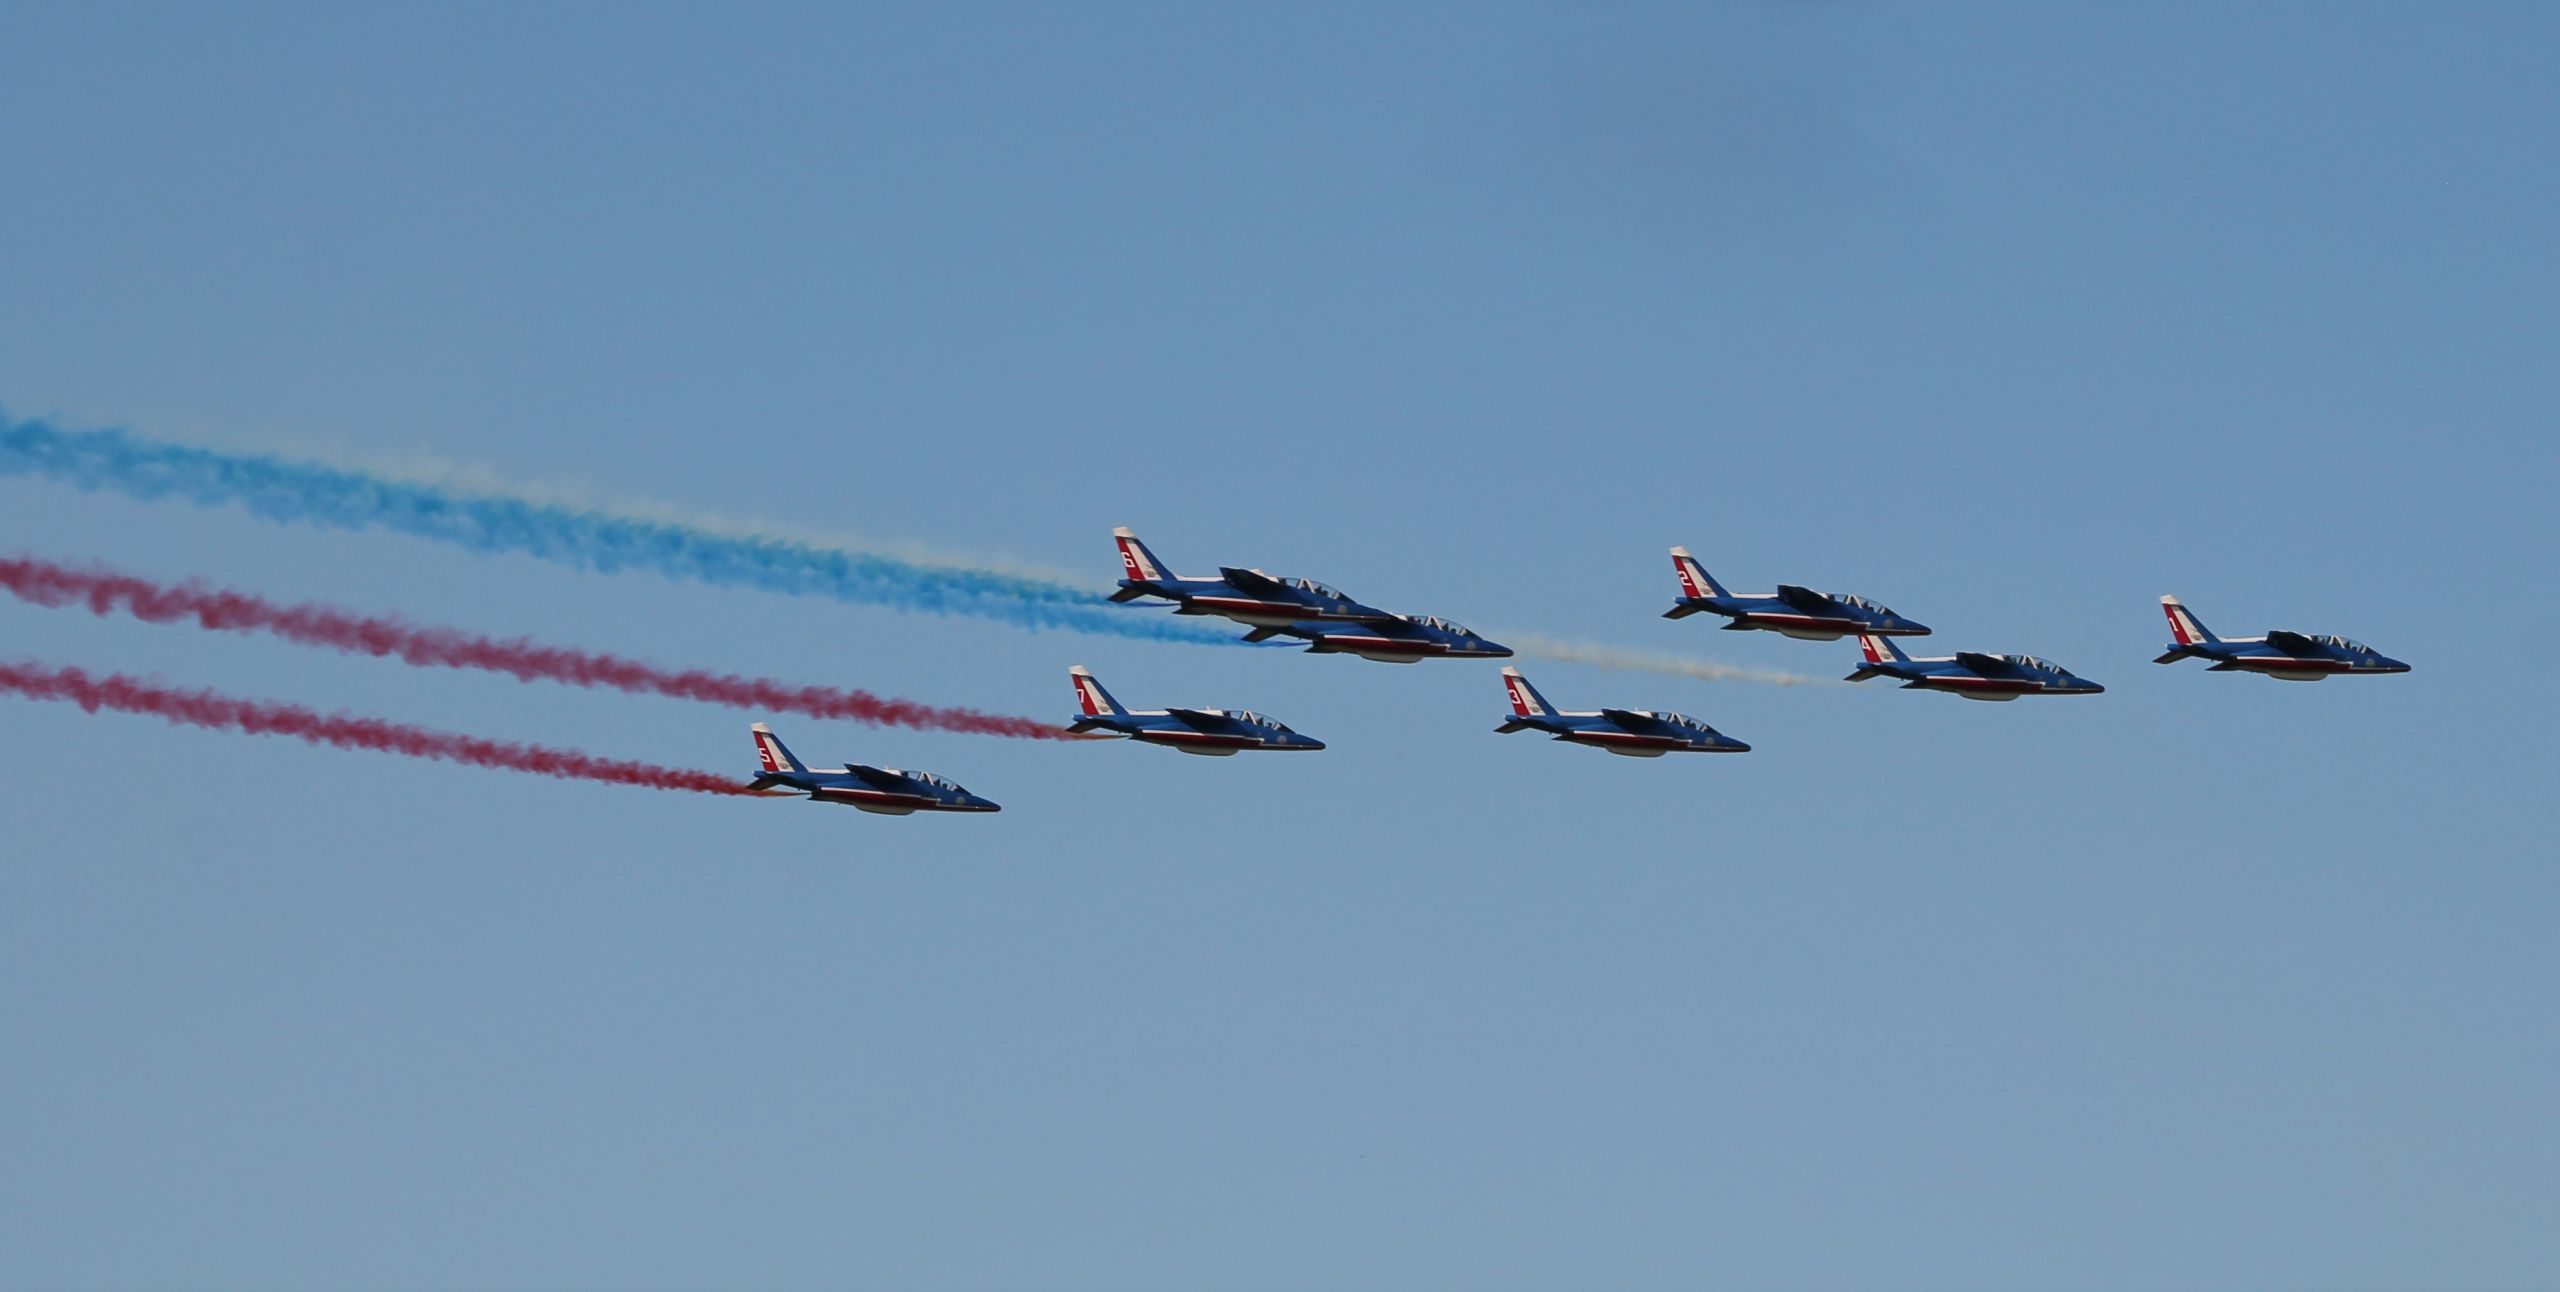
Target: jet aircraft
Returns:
[1637, 733]
[884, 790]
[1218, 732]
[1971, 674]
[1246, 596]
[1397, 639]
[2294, 657]
[1798, 612]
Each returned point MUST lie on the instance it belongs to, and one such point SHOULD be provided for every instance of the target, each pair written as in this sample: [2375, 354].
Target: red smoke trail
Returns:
[107, 592]
[260, 718]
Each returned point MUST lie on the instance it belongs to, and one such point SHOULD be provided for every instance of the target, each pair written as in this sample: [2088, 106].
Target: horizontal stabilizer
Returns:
[1262, 634]
[1129, 594]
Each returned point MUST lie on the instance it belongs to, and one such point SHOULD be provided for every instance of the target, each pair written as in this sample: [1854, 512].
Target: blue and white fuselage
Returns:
[1216, 732]
[1971, 674]
[2293, 657]
[884, 790]
[1636, 733]
[1246, 596]
[1797, 612]
[1397, 639]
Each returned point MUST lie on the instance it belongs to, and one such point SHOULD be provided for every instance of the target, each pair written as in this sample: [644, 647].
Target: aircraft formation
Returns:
[1331, 622]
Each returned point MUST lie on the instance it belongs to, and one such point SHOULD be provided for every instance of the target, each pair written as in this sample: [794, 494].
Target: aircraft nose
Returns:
[1309, 742]
[2390, 665]
[981, 804]
[1496, 650]
[2088, 687]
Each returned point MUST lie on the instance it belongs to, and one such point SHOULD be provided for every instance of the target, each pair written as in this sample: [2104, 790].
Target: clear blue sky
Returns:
[2012, 317]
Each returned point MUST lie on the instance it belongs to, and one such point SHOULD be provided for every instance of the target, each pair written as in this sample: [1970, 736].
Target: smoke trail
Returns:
[106, 592]
[587, 538]
[497, 519]
[1535, 646]
[261, 718]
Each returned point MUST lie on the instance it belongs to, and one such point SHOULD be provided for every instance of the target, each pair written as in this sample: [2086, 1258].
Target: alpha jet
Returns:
[1798, 612]
[1971, 674]
[1217, 732]
[2293, 657]
[1637, 733]
[1397, 639]
[1246, 596]
[884, 790]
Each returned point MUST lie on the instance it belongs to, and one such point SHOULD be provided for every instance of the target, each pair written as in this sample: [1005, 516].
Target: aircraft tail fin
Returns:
[2183, 624]
[1090, 697]
[1525, 700]
[1877, 657]
[1136, 561]
[772, 755]
[1694, 579]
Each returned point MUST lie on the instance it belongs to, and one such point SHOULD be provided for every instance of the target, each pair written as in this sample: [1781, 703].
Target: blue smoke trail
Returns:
[588, 539]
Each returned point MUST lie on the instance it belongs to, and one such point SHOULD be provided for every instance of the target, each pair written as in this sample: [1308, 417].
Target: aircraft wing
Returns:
[1807, 599]
[1253, 581]
[1393, 628]
[1203, 719]
[1981, 663]
[1632, 720]
[879, 778]
[2292, 643]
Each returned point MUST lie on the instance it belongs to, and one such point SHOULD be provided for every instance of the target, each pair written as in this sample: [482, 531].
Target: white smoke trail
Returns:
[1539, 646]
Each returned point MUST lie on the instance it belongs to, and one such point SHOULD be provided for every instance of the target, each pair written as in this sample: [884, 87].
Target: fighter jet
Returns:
[1637, 733]
[2294, 657]
[884, 790]
[1217, 732]
[1246, 596]
[1798, 612]
[1971, 674]
[1397, 639]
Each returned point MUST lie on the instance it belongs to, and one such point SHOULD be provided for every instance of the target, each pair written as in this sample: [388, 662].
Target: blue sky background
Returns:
[2012, 317]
